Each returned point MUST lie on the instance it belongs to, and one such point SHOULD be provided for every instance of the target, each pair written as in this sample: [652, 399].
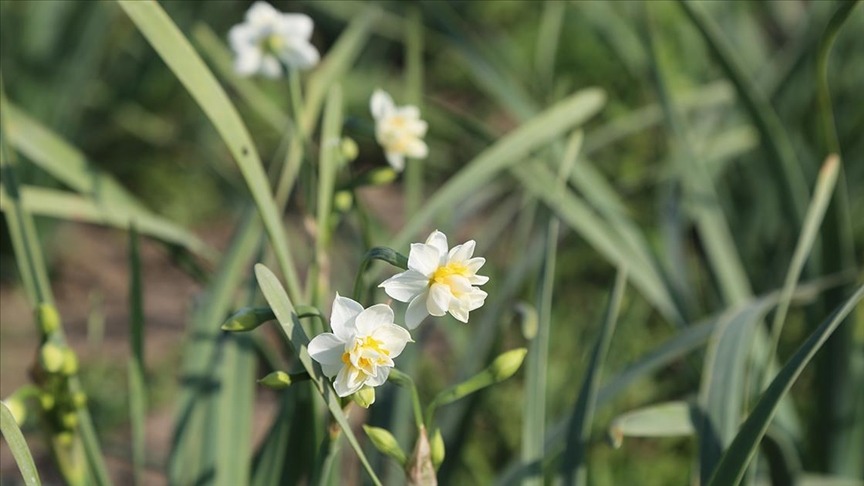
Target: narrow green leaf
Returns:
[737, 457]
[573, 468]
[103, 199]
[780, 148]
[724, 381]
[18, 447]
[670, 419]
[507, 152]
[136, 365]
[290, 326]
[173, 47]
[812, 221]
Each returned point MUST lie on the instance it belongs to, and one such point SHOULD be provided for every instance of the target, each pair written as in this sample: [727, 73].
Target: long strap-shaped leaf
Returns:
[173, 47]
[18, 446]
[737, 457]
[290, 325]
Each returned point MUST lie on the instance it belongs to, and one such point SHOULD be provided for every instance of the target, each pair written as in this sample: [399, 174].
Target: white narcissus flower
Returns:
[399, 130]
[269, 36]
[438, 281]
[360, 350]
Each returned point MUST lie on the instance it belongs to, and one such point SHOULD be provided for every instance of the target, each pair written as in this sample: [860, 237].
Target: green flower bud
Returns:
[349, 149]
[64, 438]
[69, 420]
[437, 446]
[70, 362]
[278, 380]
[248, 318]
[49, 319]
[507, 364]
[343, 200]
[382, 176]
[384, 441]
[17, 409]
[79, 399]
[364, 397]
[47, 401]
[51, 357]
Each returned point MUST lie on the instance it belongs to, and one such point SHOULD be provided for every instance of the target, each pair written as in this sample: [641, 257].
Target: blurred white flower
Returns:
[399, 130]
[360, 350]
[269, 36]
[438, 281]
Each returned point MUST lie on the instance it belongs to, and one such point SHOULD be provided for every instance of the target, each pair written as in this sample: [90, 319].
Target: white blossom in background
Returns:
[438, 281]
[268, 38]
[398, 129]
[360, 350]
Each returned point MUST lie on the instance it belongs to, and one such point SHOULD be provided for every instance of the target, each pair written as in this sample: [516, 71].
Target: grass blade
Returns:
[759, 108]
[290, 326]
[815, 214]
[18, 447]
[136, 366]
[737, 457]
[574, 467]
[670, 419]
[173, 47]
[508, 151]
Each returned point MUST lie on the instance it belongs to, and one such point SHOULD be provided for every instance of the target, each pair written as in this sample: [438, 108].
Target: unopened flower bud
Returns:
[248, 318]
[51, 357]
[70, 362]
[49, 319]
[64, 438]
[349, 149]
[507, 364]
[343, 200]
[47, 401]
[364, 397]
[382, 176]
[436, 444]
[70, 420]
[384, 441]
[278, 380]
[79, 399]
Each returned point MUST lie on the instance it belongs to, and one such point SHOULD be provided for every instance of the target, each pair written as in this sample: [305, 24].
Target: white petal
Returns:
[476, 298]
[248, 61]
[372, 318]
[396, 160]
[406, 285]
[243, 36]
[475, 263]
[261, 13]
[347, 381]
[327, 350]
[459, 311]
[461, 253]
[424, 258]
[439, 299]
[381, 104]
[295, 25]
[300, 55]
[416, 311]
[379, 378]
[270, 67]
[393, 337]
[478, 279]
[408, 112]
[439, 241]
[417, 149]
[342, 317]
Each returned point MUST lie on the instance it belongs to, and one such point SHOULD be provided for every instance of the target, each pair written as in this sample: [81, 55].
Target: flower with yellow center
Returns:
[269, 38]
[438, 280]
[360, 350]
[398, 129]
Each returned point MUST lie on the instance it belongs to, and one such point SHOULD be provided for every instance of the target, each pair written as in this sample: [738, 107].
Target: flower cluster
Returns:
[270, 41]
[360, 351]
[398, 129]
[269, 38]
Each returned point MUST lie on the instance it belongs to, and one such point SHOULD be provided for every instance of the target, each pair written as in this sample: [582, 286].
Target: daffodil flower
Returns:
[360, 350]
[398, 129]
[438, 281]
[268, 38]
